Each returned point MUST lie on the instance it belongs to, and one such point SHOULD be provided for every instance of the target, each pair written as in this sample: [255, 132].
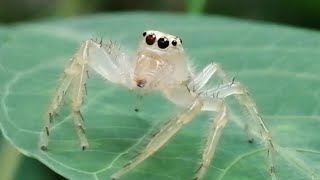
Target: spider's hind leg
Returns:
[73, 82]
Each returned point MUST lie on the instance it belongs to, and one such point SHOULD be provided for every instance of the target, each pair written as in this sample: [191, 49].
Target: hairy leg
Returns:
[161, 137]
[77, 94]
[70, 72]
[245, 99]
[106, 60]
[201, 79]
[212, 141]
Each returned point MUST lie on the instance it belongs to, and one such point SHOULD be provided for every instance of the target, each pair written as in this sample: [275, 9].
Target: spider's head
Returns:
[160, 43]
[160, 56]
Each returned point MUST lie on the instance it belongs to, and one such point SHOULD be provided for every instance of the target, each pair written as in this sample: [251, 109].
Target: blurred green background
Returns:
[294, 12]
[301, 13]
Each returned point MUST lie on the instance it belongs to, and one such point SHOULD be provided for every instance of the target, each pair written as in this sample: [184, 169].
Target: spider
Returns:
[159, 64]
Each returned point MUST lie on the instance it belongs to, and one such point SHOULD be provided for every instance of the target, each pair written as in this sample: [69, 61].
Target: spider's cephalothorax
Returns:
[160, 64]
[161, 61]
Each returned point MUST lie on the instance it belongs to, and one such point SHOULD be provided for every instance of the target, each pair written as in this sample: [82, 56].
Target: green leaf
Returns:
[279, 65]
[15, 166]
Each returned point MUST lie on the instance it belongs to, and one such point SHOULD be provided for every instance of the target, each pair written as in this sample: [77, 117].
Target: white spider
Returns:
[160, 64]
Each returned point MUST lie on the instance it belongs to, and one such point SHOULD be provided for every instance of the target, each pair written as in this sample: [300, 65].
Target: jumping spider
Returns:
[160, 64]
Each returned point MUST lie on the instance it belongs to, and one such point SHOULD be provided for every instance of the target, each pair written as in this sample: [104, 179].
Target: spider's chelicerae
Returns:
[160, 64]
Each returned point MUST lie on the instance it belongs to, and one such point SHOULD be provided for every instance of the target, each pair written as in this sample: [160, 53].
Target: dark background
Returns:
[294, 12]
[301, 13]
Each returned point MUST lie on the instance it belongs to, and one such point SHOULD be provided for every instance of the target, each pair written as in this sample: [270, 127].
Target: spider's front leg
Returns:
[72, 83]
[107, 61]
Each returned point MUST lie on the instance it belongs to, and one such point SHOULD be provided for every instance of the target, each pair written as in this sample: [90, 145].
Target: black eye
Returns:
[174, 42]
[144, 34]
[180, 40]
[150, 39]
[163, 43]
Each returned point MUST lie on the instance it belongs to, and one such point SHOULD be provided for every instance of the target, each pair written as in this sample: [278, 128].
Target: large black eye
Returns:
[180, 40]
[150, 39]
[144, 34]
[163, 43]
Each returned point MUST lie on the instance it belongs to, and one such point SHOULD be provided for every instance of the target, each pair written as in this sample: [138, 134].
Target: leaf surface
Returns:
[279, 65]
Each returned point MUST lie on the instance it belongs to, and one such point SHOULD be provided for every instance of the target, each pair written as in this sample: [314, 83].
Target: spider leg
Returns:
[202, 78]
[244, 98]
[106, 61]
[242, 95]
[74, 83]
[161, 137]
[77, 93]
[212, 141]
